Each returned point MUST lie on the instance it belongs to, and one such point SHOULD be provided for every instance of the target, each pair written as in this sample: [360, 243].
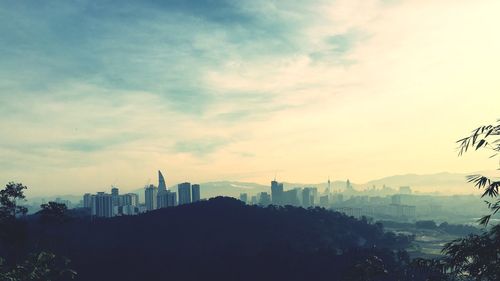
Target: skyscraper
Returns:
[277, 192]
[102, 205]
[87, 200]
[184, 190]
[115, 193]
[166, 199]
[161, 182]
[150, 193]
[307, 197]
[195, 192]
[291, 197]
[129, 199]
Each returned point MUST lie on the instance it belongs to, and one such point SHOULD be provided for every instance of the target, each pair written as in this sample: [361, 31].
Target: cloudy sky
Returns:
[94, 93]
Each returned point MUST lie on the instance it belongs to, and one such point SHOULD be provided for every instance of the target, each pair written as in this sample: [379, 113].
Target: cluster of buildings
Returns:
[348, 201]
[356, 205]
[113, 204]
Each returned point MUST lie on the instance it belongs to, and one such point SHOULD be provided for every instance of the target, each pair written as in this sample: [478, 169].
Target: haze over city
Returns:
[244, 140]
[97, 94]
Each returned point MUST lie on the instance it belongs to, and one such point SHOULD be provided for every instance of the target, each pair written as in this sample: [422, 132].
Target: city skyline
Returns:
[96, 94]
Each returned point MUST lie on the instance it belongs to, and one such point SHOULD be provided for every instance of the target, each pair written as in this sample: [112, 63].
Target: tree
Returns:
[12, 230]
[53, 212]
[475, 255]
[485, 137]
[478, 256]
[43, 266]
[9, 197]
[40, 266]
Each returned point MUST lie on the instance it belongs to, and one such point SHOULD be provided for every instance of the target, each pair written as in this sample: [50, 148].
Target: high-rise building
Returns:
[244, 197]
[324, 201]
[184, 190]
[128, 210]
[166, 199]
[129, 199]
[291, 197]
[396, 199]
[264, 199]
[195, 192]
[115, 193]
[307, 197]
[87, 200]
[277, 192]
[161, 182]
[314, 196]
[150, 193]
[102, 205]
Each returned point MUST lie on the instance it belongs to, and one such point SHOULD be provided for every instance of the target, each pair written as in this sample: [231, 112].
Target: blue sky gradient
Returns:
[91, 91]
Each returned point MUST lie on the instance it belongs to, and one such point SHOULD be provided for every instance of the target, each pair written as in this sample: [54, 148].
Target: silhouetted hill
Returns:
[220, 239]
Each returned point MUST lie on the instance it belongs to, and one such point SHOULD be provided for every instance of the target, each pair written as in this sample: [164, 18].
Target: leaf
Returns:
[484, 220]
[481, 143]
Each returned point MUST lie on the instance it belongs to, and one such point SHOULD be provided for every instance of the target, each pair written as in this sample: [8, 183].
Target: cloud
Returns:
[200, 147]
[121, 88]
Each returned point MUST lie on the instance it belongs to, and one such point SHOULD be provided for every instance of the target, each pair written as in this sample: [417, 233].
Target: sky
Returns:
[100, 93]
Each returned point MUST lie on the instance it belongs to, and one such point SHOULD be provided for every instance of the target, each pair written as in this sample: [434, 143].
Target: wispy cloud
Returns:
[119, 88]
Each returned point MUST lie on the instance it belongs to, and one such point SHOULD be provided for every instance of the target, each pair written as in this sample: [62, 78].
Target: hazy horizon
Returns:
[94, 94]
[443, 183]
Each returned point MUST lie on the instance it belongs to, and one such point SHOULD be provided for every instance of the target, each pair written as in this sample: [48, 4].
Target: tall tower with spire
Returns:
[161, 182]
[164, 198]
[348, 186]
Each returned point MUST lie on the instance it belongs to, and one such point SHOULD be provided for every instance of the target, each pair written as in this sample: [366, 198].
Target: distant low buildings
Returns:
[63, 201]
[87, 200]
[264, 199]
[396, 199]
[324, 201]
[244, 197]
[404, 190]
[307, 197]
[349, 211]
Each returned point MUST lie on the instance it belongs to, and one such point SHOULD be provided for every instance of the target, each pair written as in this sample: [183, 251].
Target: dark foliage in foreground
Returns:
[485, 137]
[16, 262]
[475, 255]
[223, 239]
